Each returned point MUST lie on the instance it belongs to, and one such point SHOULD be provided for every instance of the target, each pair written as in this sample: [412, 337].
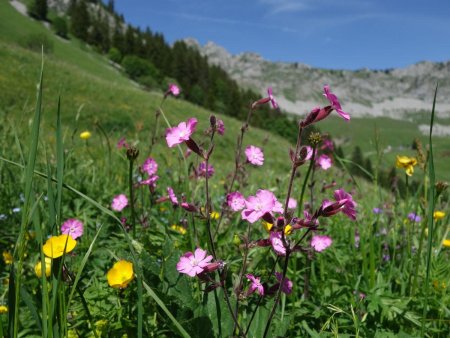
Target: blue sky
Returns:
[337, 34]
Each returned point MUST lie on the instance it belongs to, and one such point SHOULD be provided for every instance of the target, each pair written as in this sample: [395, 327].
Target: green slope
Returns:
[87, 83]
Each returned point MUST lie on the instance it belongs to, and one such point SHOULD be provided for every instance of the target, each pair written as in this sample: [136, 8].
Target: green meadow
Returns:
[186, 254]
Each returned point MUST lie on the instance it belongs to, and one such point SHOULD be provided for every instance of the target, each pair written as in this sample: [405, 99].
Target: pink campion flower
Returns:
[122, 143]
[277, 243]
[287, 285]
[173, 198]
[292, 203]
[204, 171]
[181, 133]
[324, 161]
[119, 202]
[220, 127]
[349, 205]
[255, 285]
[327, 144]
[236, 201]
[271, 98]
[309, 153]
[320, 243]
[334, 101]
[174, 89]
[254, 155]
[151, 181]
[72, 227]
[193, 264]
[256, 206]
[150, 166]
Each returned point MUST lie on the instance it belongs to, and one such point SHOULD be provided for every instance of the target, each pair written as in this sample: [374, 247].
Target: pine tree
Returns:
[38, 9]
[80, 20]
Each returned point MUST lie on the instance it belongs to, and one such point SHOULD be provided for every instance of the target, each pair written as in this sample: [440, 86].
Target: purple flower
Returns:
[271, 98]
[122, 143]
[255, 285]
[320, 243]
[193, 264]
[309, 153]
[173, 89]
[236, 201]
[150, 166]
[377, 211]
[72, 227]
[287, 285]
[254, 155]
[277, 243]
[327, 145]
[151, 181]
[324, 161]
[292, 203]
[204, 171]
[119, 202]
[256, 206]
[334, 101]
[414, 218]
[181, 133]
[173, 198]
[349, 205]
[220, 127]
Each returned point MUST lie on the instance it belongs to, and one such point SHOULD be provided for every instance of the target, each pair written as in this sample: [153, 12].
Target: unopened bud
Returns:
[314, 138]
[212, 121]
[236, 240]
[132, 153]
[441, 187]
[189, 207]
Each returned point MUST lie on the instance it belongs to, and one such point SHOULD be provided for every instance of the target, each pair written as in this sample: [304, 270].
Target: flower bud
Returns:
[132, 153]
[212, 121]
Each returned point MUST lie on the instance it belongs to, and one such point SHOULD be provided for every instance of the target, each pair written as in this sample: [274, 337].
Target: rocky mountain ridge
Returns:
[396, 93]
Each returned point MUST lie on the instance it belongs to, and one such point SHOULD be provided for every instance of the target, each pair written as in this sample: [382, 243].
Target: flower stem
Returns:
[130, 183]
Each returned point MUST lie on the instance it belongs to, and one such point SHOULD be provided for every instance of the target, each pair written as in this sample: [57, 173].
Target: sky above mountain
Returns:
[337, 34]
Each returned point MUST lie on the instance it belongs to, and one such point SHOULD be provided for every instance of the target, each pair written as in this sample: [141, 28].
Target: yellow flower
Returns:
[7, 257]
[48, 267]
[214, 215]
[179, 229]
[3, 309]
[438, 215]
[54, 247]
[85, 135]
[120, 275]
[406, 163]
[268, 226]
[446, 243]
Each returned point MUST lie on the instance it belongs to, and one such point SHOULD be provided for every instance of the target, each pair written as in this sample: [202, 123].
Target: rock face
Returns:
[396, 93]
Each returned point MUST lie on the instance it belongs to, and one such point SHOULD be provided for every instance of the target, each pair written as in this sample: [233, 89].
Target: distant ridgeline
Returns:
[149, 60]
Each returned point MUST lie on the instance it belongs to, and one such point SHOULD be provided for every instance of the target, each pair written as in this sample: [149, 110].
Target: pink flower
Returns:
[271, 98]
[327, 145]
[236, 201]
[220, 127]
[173, 89]
[277, 243]
[203, 171]
[292, 203]
[257, 206]
[349, 205]
[255, 285]
[151, 181]
[119, 202]
[150, 166]
[254, 155]
[122, 143]
[193, 264]
[320, 243]
[334, 101]
[309, 153]
[181, 133]
[287, 285]
[72, 227]
[173, 198]
[324, 161]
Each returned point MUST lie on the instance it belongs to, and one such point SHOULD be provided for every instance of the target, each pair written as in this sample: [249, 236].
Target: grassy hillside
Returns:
[87, 83]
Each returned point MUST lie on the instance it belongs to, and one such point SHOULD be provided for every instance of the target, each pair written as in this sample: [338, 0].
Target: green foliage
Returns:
[59, 25]
[138, 68]
[79, 19]
[38, 9]
[114, 55]
[37, 42]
